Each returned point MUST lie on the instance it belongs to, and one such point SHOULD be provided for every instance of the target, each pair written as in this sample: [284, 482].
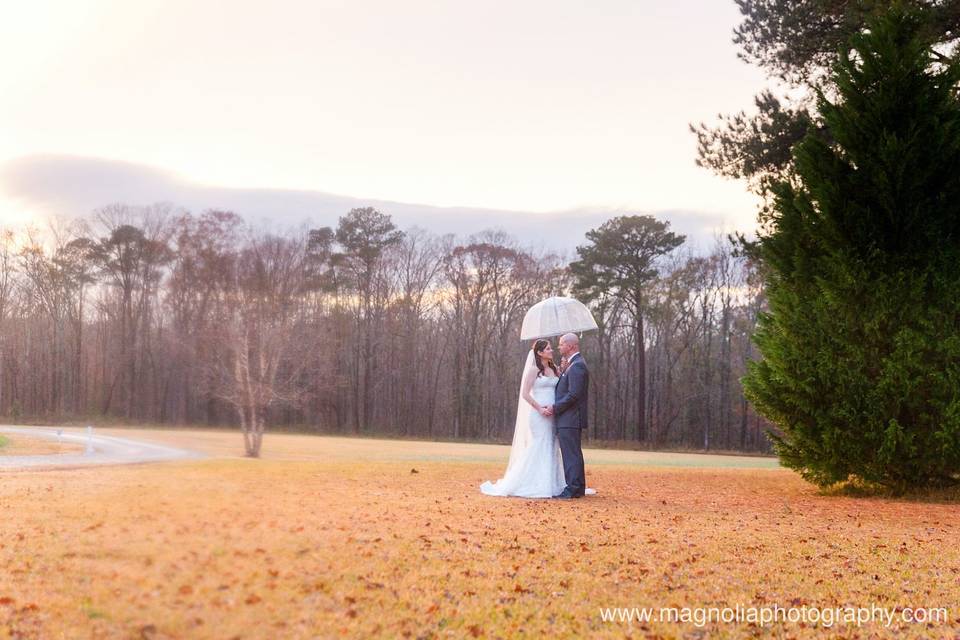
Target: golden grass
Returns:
[26, 446]
[218, 442]
[316, 542]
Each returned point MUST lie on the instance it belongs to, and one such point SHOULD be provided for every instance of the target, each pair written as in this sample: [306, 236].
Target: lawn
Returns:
[330, 537]
[20, 446]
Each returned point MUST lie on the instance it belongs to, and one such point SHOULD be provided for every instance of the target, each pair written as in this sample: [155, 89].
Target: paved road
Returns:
[105, 450]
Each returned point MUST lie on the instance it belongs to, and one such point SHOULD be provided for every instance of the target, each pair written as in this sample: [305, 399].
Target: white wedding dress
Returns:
[535, 469]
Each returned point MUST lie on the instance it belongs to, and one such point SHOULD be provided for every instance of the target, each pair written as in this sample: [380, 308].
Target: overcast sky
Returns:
[525, 106]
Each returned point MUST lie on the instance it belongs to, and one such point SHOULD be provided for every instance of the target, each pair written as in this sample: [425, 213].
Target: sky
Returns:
[524, 108]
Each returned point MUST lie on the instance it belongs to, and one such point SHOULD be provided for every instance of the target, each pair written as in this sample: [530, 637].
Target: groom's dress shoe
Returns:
[565, 495]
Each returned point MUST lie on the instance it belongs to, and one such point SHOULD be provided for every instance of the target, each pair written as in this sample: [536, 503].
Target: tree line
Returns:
[154, 314]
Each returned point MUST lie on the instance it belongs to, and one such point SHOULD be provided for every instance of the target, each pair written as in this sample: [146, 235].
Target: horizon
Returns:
[282, 211]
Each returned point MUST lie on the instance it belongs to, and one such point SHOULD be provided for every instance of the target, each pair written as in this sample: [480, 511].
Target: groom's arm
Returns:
[576, 389]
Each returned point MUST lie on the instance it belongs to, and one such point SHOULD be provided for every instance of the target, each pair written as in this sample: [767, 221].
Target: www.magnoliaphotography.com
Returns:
[480, 320]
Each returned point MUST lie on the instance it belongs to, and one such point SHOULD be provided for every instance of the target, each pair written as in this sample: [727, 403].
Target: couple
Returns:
[551, 414]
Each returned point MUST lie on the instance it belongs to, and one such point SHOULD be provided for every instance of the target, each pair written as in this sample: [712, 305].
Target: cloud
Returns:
[72, 187]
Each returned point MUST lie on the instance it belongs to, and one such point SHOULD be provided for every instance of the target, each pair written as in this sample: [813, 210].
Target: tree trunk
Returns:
[641, 381]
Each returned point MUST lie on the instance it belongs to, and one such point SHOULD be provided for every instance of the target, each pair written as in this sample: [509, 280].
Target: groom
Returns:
[570, 408]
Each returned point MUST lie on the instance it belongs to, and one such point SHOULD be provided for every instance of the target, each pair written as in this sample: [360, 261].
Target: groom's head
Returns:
[569, 344]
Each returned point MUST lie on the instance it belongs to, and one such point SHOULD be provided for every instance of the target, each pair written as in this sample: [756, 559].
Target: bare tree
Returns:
[203, 250]
[257, 321]
[8, 285]
[131, 257]
[419, 263]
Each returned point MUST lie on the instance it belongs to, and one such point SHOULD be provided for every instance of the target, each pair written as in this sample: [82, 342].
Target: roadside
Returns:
[84, 449]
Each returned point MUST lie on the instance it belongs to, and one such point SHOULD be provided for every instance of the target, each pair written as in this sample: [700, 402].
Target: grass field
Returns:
[334, 537]
[19, 446]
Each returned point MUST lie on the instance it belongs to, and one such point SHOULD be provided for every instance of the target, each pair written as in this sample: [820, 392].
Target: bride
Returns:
[535, 469]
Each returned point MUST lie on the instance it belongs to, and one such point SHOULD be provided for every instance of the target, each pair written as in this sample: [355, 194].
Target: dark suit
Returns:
[570, 410]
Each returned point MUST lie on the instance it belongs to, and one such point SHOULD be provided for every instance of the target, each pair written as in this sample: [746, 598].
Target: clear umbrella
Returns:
[556, 316]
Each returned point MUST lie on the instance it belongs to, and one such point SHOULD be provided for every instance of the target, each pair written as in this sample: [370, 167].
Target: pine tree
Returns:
[620, 258]
[861, 345]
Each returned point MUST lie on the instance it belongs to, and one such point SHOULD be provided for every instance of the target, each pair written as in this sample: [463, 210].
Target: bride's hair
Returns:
[539, 346]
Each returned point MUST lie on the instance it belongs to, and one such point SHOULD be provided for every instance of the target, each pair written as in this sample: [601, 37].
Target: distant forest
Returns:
[153, 314]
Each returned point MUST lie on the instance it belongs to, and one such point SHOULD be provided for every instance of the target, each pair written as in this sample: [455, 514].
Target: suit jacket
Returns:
[570, 407]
